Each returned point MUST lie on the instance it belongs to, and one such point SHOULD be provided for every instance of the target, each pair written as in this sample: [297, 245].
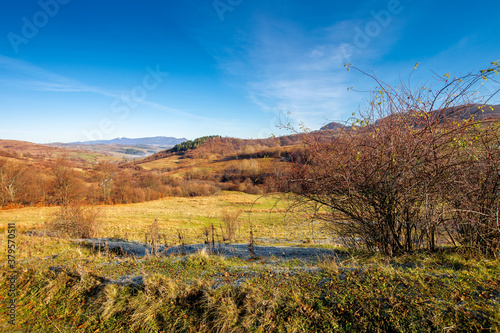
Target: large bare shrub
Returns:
[74, 221]
[474, 190]
[388, 180]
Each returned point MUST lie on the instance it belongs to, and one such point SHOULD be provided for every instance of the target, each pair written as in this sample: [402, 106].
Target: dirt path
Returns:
[243, 251]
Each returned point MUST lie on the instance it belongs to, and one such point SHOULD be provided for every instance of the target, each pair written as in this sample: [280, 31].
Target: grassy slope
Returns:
[208, 293]
[216, 162]
[188, 215]
[202, 293]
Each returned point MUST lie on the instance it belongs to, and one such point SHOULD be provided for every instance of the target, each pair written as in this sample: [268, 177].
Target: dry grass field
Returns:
[265, 215]
[58, 286]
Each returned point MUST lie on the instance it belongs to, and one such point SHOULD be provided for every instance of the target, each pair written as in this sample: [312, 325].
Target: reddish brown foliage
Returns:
[422, 171]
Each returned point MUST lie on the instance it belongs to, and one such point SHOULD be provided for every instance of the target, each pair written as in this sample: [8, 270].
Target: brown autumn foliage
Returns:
[417, 168]
[12, 180]
[62, 181]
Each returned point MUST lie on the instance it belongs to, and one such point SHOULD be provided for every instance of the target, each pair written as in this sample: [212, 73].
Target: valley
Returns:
[218, 233]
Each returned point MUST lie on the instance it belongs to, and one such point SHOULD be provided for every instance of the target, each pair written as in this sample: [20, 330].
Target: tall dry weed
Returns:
[231, 225]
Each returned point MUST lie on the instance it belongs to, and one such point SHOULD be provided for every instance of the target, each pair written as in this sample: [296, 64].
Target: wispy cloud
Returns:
[20, 66]
[300, 67]
[299, 70]
[40, 79]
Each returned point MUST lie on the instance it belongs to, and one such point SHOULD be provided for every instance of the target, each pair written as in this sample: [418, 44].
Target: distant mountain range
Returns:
[161, 141]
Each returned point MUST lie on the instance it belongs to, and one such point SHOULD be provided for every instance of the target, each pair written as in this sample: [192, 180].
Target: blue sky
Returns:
[77, 70]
